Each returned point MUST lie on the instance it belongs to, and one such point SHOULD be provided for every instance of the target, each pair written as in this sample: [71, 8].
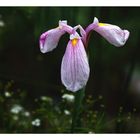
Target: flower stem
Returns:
[76, 121]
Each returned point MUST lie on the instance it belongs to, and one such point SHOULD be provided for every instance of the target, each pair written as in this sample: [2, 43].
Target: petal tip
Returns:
[62, 22]
[73, 89]
[95, 21]
[125, 38]
[127, 33]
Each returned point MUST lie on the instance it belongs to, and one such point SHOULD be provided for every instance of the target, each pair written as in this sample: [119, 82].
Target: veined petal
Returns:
[49, 40]
[75, 67]
[112, 33]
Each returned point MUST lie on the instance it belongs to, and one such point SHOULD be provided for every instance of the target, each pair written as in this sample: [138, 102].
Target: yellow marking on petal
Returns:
[102, 24]
[74, 41]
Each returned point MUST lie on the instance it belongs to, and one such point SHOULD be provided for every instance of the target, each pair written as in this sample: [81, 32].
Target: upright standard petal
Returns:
[49, 40]
[82, 32]
[75, 68]
[112, 33]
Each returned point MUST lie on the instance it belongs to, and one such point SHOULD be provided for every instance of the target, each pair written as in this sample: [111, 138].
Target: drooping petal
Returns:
[75, 67]
[112, 33]
[49, 40]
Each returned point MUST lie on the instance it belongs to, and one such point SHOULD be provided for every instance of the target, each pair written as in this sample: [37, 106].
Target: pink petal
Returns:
[75, 67]
[112, 33]
[65, 27]
[49, 40]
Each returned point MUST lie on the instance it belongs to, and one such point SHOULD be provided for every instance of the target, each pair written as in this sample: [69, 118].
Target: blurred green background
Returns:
[112, 102]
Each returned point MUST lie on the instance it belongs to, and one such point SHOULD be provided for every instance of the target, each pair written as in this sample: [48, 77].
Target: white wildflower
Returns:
[26, 113]
[36, 122]
[15, 118]
[67, 112]
[68, 97]
[43, 98]
[16, 109]
[1, 23]
[7, 94]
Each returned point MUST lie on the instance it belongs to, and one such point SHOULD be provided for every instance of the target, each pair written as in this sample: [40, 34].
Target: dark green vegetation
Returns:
[112, 101]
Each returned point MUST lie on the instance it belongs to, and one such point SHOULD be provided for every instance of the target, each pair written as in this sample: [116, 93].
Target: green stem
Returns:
[76, 121]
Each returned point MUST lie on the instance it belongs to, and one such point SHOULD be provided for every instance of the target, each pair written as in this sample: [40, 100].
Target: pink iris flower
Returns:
[75, 67]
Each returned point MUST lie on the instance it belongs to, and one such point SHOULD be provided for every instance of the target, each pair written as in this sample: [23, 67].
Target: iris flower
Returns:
[75, 67]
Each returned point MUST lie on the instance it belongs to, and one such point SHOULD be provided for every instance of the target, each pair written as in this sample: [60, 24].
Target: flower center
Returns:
[74, 41]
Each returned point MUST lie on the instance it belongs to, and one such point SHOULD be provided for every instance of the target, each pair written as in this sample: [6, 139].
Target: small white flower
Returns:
[26, 113]
[67, 112]
[7, 94]
[36, 122]
[1, 23]
[16, 109]
[68, 97]
[46, 99]
[43, 98]
[15, 118]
